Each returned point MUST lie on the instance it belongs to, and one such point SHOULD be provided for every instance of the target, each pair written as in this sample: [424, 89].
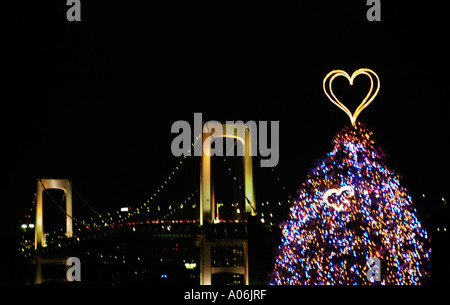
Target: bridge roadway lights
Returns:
[42, 185]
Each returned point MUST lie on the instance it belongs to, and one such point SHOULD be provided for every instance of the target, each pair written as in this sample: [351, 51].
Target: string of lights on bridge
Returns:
[143, 208]
[150, 208]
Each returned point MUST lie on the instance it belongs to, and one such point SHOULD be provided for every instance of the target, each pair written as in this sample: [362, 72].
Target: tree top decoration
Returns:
[327, 87]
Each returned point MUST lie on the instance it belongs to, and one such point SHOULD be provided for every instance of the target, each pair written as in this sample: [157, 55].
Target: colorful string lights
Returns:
[324, 245]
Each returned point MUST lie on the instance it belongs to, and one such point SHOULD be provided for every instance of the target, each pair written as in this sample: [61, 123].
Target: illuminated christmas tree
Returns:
[352, 222]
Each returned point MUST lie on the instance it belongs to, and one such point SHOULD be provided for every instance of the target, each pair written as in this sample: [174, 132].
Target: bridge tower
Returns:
[45, 184]
[240, 132]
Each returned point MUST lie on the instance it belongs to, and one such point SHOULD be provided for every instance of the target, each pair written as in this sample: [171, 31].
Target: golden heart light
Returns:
[327, 87]
[338, 192]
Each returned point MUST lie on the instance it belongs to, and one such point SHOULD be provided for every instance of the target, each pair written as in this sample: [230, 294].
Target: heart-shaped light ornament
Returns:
[327, 87]
[338, 192]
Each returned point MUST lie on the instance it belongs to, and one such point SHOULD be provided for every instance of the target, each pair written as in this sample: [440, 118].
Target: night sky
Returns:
[94, 100]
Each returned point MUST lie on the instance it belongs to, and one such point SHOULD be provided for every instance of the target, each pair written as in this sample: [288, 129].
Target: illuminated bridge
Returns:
[221, 243]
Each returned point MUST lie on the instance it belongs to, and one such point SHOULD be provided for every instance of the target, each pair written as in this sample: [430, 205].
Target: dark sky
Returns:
[94, 100]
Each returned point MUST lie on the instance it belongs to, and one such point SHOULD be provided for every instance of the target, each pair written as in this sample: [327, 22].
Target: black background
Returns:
[94, 100]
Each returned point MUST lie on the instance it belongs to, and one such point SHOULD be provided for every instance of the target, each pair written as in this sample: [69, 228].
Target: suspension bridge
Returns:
[147, 241]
